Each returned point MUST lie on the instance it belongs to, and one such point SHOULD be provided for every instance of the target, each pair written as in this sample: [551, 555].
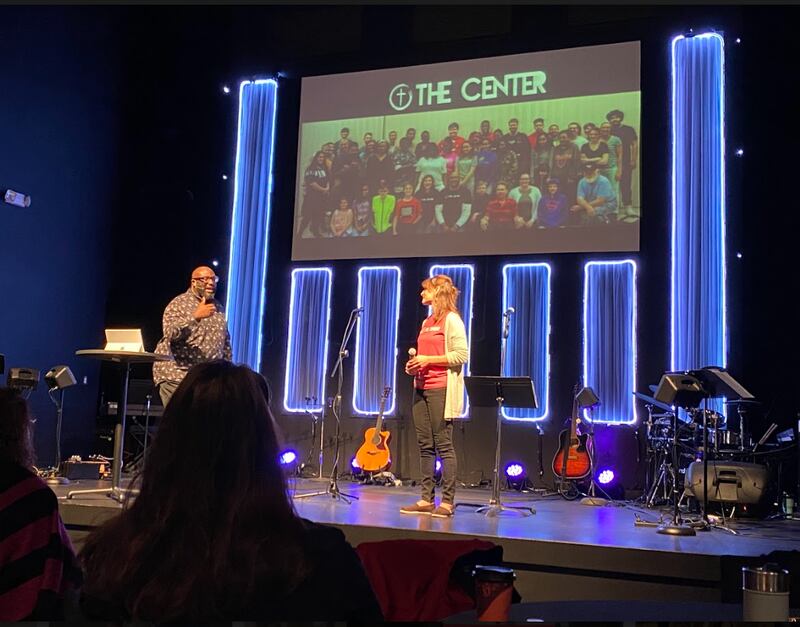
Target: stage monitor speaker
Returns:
[679, 390]
[729, 482]
[23, 378]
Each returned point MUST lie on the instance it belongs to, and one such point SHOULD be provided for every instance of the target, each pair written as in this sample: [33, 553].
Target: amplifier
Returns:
[728, 481]
[74, 470]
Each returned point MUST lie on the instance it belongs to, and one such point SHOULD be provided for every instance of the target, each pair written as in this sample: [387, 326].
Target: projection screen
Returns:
[521, 154]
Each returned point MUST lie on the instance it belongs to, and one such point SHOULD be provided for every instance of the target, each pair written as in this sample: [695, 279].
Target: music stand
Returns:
[124, 359]
[498, 392]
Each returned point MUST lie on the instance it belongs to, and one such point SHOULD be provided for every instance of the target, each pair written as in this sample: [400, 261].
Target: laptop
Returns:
[124, 340]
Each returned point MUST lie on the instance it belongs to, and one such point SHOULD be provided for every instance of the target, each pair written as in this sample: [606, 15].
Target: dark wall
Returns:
[59, 112]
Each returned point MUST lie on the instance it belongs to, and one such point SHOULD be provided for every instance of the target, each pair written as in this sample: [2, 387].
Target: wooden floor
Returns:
[565, 551]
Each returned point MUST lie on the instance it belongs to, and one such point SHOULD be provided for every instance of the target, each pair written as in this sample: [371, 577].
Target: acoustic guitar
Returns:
[374, 455]
[571, 460]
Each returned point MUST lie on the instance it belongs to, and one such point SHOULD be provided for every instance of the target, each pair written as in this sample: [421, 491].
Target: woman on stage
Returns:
[438, 392]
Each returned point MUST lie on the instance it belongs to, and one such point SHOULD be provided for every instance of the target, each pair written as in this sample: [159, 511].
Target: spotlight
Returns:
[224, 177]
[16, 198]
[59, 377]
[355, 468]
[515, 476]
[609, 483]
[739, 152]
[288, 460]
[738, 40]
[738, 255]
[605, 476]
[215, 263]
[226, 89]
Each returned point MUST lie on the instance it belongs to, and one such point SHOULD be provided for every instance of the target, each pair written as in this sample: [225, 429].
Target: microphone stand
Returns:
[336, 407]
[496, 506]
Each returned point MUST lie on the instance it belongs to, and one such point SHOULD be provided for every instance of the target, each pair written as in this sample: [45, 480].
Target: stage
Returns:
[566, 551]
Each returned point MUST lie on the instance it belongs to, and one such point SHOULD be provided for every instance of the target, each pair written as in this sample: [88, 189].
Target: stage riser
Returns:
[565, 552]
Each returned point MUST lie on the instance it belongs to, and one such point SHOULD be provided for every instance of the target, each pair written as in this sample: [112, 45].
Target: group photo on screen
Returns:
[568, 163]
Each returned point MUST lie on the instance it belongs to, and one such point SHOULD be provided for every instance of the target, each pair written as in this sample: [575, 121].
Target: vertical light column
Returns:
[698, 335]
[249, 240]
[463, 276]
[376, 338]
[307, 339]
[609, 338]
[526, 288]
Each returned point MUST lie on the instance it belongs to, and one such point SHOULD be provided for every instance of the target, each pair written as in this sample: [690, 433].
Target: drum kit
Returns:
[726, 441]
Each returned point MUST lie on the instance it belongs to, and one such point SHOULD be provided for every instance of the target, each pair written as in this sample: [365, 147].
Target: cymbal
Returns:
[651, 401]
[743, 401]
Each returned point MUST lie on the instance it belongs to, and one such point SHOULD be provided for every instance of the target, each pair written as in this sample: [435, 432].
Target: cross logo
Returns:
[400, 97]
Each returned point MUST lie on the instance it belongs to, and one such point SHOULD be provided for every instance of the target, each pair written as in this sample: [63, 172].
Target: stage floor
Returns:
[565, 551]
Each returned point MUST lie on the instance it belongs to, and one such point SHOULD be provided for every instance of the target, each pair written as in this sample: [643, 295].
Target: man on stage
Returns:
[195, 331]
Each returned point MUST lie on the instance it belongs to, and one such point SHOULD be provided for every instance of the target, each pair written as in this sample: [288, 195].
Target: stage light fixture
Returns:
[59, 377]
[739, 152]
[738, 40]
[587, 399]
[605, 476]
[355, 468]
[738, 255]
[288, 457]
[609, 483]
[215, 263]
[224, 177]
[226, 89]
[437, 471]
[515, 476]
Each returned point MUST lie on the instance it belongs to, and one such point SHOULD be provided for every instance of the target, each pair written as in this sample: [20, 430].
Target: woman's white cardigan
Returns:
[457, 353]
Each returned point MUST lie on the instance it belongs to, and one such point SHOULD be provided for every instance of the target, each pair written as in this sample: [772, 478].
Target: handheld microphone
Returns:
[412, 352]
[509, 311]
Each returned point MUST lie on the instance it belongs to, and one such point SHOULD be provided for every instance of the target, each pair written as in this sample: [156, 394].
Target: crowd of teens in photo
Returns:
[551, 178]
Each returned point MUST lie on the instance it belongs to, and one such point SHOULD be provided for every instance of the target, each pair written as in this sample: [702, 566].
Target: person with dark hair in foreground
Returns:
[213, 534]
[38, 568]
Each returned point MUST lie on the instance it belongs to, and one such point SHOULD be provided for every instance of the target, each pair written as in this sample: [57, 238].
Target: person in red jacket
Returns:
[501, 212]
[407, 212]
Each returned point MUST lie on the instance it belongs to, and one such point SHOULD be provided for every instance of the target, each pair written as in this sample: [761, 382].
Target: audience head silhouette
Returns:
[213, 520]
[16, 442]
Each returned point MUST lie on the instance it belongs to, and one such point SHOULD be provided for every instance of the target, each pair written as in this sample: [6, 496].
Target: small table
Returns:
[124, 359]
